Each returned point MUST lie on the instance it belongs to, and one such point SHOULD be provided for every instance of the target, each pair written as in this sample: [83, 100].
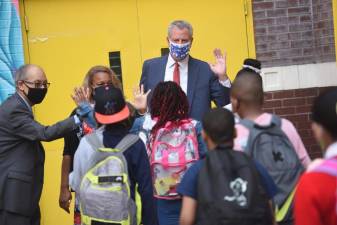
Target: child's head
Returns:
[324, 117]
[218, 127]
[110, 106]
[168, 103]
[247, 93]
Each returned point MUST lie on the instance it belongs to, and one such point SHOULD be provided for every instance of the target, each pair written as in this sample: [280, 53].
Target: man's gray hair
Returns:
[181, 24]
[23, 72]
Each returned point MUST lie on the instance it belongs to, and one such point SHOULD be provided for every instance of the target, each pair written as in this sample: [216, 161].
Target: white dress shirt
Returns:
[183, 72]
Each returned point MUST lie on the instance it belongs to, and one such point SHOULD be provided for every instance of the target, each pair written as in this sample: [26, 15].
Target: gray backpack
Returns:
[105, 188]
[270, 146]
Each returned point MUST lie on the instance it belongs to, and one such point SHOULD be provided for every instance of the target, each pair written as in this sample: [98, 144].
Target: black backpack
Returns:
[230, 191]
[270, 146]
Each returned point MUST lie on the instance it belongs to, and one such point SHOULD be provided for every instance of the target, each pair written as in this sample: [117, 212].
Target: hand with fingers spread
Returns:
[80, 95]
[140, 99]
[220, 67]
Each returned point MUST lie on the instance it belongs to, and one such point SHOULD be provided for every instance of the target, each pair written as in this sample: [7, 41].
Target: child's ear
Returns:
[234, 102]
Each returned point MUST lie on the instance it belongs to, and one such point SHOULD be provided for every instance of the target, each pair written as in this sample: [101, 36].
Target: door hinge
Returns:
[245, 6]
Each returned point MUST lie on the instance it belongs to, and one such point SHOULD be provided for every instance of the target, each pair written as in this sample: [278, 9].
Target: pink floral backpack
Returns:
[173, 150]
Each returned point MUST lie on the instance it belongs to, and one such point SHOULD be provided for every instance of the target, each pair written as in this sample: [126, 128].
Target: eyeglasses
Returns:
[38, 84]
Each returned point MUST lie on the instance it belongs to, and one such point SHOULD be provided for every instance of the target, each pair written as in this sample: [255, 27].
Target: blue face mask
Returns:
[179, 51]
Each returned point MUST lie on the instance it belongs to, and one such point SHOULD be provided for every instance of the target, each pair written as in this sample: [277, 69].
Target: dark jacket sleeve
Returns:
[143, 78]
[71, 140]
[142, 175]
[24, 126]
[219, 94]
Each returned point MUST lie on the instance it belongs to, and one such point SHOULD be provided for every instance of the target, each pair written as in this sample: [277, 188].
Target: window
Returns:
[115, 64]
[164, 51]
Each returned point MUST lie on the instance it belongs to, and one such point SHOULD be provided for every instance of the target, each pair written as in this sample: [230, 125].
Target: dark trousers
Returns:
[8, 218]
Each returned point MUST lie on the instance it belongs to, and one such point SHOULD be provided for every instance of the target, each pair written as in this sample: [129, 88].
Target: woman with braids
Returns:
[173, 143]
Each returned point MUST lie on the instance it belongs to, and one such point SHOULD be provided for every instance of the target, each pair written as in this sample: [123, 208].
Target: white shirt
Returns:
[331, 151]
[183, 72]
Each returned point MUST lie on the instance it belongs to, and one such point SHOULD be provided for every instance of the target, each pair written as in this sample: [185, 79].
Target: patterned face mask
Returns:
[179, 51]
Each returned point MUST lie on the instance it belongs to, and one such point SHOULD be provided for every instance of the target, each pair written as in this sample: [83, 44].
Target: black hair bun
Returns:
[253, 63]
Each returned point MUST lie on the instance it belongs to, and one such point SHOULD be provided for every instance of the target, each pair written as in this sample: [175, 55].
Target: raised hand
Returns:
[140, 99]
[220, 67]
[81, 95]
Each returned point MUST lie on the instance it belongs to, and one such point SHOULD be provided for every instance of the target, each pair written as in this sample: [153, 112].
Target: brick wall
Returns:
[292, 32]
[295, 105]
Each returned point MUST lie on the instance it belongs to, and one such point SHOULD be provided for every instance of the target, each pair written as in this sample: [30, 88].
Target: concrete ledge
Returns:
[299, 76]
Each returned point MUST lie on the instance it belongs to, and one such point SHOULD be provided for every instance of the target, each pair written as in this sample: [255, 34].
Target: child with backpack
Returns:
[173, 143]
[109, 163]
[316, 194]
[270, 140]
[227, 187]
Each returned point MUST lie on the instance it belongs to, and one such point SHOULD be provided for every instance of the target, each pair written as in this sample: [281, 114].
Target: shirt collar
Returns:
[331, 151]
[182, 63]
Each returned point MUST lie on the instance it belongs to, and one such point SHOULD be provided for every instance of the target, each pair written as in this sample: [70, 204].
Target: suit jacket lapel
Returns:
[162, 68]
[193, 74]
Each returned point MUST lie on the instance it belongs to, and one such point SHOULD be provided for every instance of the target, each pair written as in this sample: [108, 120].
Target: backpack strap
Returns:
[127, 142]
[94, 141]
[276, 120]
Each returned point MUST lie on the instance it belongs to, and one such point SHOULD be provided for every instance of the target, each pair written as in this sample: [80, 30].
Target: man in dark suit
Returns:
[21, 153]
[202, 82]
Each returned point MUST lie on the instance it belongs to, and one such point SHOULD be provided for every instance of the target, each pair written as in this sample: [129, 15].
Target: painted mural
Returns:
[11, 46]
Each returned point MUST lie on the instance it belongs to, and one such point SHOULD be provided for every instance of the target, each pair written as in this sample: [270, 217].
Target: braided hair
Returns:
[168, 103]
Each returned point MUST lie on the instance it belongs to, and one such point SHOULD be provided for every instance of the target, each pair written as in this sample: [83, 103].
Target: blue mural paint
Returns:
[11, 47]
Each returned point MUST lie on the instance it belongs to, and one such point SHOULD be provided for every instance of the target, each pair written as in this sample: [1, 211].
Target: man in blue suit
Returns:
[202, 82]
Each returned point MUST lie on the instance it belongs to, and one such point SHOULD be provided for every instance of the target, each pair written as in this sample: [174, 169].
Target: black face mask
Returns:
[36, 95]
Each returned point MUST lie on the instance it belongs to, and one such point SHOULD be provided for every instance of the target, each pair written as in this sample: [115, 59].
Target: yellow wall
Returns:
[68, 37]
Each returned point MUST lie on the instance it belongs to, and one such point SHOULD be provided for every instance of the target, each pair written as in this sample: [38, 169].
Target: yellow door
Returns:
[67, 37]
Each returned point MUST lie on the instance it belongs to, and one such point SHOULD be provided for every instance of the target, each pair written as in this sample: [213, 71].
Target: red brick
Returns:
[303, 109]
[303, 125]
[260, 31]
[285, 111]
[304, 118]
[310, 100]
[263, 5]
[277, 29]
[298, 10]
[264, 22]
[306, 92]
[309, 141]
[305, 18]
[272, 104]
[283, 94]
[307, 35]
[268, 96]
[300, 27]
[290, 53]
[308, 51]
[302, 44]
[279, 45]
[260, 14]
[276, 13]
[305, 133]
[294, 102]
